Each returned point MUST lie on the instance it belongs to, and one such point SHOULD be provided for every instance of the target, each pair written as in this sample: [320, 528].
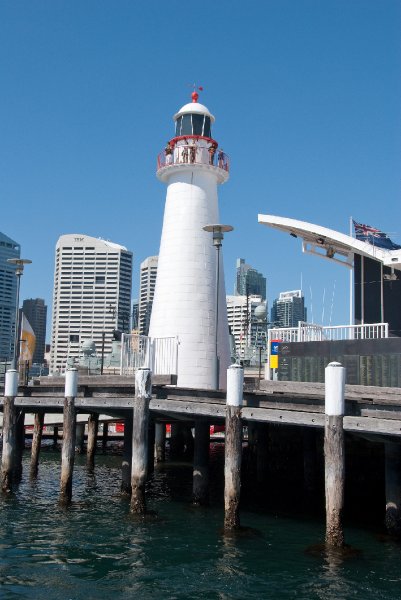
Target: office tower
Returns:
[135, 315]
[288, 309]
[147, 292]
[247, 321]
[35, 311]
[249, 281]
[8, 295]
[92, 295]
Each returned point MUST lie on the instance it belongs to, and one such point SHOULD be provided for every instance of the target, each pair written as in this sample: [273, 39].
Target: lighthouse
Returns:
[190, 301]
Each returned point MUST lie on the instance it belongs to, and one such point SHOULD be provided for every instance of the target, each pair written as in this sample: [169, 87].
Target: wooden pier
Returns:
[373, 413]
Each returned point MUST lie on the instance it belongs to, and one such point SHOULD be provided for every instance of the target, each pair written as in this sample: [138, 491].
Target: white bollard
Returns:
[71, 383]
[235, 385]
[11, 384]
[334, 391]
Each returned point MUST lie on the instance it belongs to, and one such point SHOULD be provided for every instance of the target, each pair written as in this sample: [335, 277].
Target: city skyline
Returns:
[84, 126]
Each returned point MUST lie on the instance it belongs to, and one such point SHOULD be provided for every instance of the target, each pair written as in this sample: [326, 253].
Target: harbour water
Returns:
[96, 550]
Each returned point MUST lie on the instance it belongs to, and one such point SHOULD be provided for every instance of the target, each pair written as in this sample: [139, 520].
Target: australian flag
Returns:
[373, 236]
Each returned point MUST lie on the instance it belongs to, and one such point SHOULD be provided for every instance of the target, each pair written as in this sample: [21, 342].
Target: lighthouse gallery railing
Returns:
[193, 154]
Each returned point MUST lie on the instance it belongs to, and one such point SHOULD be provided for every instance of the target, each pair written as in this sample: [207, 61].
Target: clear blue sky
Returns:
[306, 95]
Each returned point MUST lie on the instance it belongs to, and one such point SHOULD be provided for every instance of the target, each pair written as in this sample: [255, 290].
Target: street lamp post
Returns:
[218, 232]
[19, 269]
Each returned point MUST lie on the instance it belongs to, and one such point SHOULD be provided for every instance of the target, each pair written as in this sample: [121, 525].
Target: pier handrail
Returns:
[310, 332]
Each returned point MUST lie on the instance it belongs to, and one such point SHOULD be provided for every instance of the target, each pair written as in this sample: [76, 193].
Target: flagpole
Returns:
[351, 283]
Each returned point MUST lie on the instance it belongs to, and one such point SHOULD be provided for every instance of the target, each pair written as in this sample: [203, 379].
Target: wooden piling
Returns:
[309, 462]
[177, 440]
[20, 444]
[200, 482]
[233, 447]
[39, 418]
[9, 431]
[105, 436]
[143, 392]
[262, 453]
[69, 431]
[160, 442]
[151, 446]
[80, 438]
[55, 436]
[127, 456]
[334, 453]
[93, 427]
[393, 488]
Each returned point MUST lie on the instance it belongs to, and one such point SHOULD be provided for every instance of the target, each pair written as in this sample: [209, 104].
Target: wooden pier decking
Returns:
[368, 409]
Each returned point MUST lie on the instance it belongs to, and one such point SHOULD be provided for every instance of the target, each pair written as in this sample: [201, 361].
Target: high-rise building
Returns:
[8, 294]
[135, 315]
[245, 319]
[92, 295]
[147, 292]
[249, 281]
[35, 311]
[288, 309]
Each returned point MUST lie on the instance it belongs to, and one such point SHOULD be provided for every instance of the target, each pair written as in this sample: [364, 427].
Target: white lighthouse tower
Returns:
[185, 300]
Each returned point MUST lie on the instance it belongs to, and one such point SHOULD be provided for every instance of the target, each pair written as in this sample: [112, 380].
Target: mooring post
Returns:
[177, 440]
[79, 438]
[55, 436]
[310, 462]
[105, 436]
[127, 456]
[160, 442]
[200, 481]
[39, 418]
[262, 453]
[151, 446]
[334, 453]
[93, 426]
[393, 488]
[20, 444]
[69, 431]
[9, 430]
[233, 446]
[143, 393]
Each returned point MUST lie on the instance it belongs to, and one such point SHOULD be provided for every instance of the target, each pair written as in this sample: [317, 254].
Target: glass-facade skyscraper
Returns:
[288, 309]
[8, 293]
[249, 282]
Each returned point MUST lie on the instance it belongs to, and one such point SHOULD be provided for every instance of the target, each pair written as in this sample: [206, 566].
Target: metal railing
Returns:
[309, 332]
[193, 154]
[160, 355]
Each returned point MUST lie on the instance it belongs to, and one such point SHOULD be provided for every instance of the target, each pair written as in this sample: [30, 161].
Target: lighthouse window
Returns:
[206, 128]
[186, 127]
[178, 126]
[197, 124]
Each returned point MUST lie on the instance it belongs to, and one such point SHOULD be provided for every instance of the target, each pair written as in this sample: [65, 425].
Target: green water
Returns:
[95, 549]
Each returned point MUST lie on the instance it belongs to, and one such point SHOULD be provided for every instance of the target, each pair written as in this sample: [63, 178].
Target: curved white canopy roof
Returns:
[194, 107]
[317, 239]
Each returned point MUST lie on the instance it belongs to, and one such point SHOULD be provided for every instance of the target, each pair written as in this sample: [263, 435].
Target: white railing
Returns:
[158, 354]
[309, 332]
